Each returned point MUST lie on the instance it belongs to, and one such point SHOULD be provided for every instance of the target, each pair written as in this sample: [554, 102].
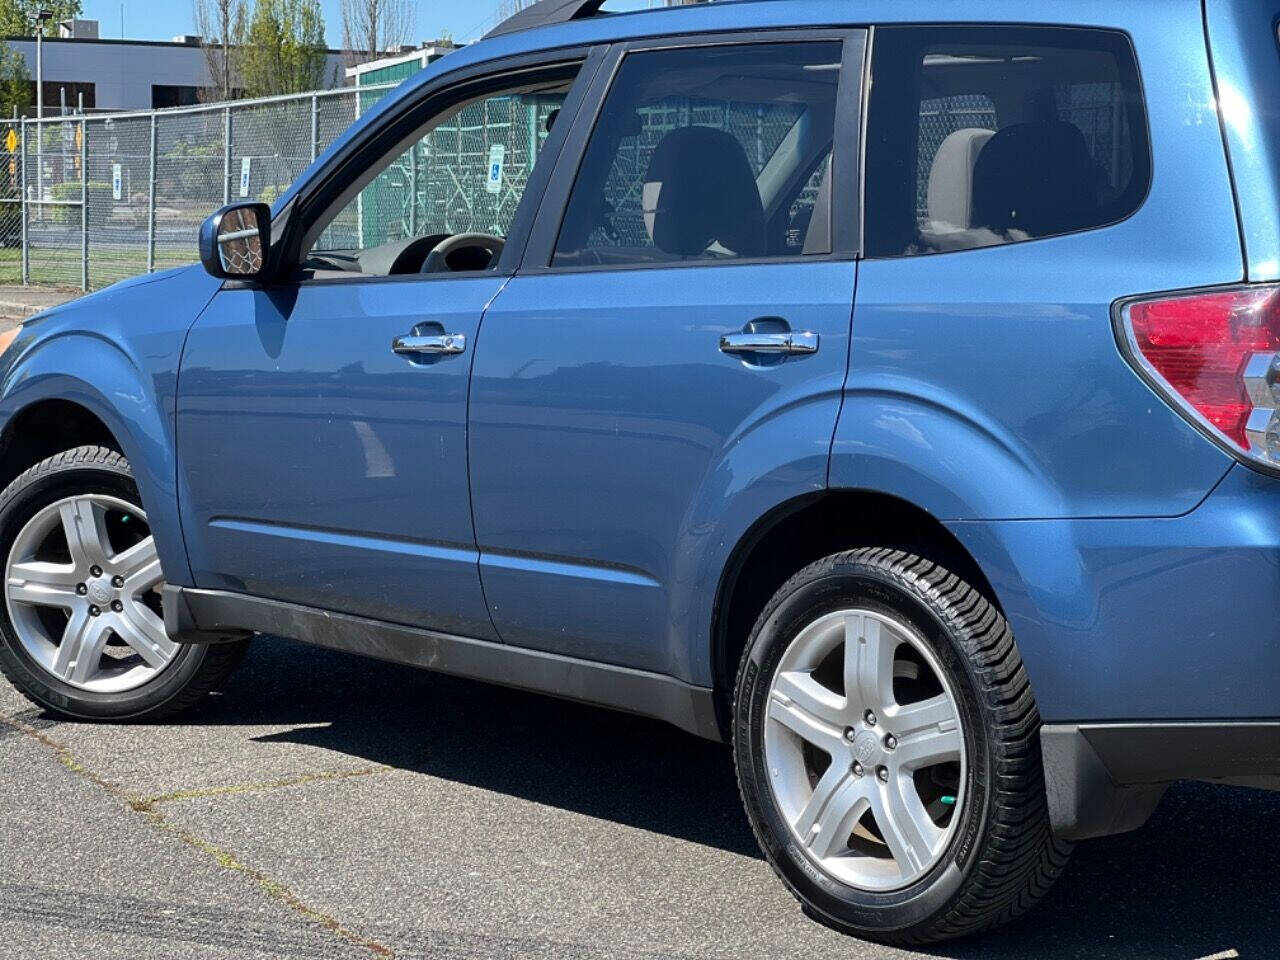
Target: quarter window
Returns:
[980, 136]
[706, 153]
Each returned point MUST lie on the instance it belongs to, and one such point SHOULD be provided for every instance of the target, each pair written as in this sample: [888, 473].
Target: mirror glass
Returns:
[240, 242]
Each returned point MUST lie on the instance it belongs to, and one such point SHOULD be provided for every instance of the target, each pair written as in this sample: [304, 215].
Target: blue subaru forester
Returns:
[887, 389]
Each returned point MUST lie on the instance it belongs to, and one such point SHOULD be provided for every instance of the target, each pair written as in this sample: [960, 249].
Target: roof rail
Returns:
[545, 12]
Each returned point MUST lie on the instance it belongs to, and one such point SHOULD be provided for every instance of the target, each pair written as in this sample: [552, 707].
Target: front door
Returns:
[322, 421]
[632, 384]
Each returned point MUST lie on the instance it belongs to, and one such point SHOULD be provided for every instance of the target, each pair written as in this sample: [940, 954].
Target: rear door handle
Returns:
[439, 343]
[785, 342]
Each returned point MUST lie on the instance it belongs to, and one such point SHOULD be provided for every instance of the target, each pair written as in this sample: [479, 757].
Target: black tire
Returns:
[1001, 858]
[190, 677]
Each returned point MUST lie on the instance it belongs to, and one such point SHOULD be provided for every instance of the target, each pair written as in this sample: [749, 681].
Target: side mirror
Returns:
[235, 241]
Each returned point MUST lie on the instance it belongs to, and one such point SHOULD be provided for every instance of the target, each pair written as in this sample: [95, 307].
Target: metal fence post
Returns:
[26, 249]
[151, 201]
[226, 156]
[315, 126]
[413, 189]
[84, 205]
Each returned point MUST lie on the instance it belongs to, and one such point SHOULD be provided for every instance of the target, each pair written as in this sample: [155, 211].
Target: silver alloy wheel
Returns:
[86, 612]
[870, 784]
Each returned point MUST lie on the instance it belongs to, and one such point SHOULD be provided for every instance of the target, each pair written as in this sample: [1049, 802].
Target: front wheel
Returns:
[887, 749]
[81, 629]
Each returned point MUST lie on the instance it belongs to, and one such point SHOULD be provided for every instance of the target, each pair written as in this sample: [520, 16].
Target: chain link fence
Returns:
[86, 201]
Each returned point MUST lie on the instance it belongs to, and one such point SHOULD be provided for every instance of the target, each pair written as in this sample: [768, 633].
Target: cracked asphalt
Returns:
[329, 806]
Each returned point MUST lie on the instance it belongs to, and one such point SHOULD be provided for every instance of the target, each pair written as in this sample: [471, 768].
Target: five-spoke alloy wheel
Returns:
[82, 587]
[887, 747]
[868, 783]
[82, 626]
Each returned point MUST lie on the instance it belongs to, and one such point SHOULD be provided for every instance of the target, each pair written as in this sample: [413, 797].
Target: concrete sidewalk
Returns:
[18, 302]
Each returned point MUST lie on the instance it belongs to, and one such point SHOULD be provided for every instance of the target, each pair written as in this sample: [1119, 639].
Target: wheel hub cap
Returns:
[82, 589]
[864, 750]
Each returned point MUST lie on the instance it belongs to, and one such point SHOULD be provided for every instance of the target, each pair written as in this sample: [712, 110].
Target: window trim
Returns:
[1131, 68]
[295, 223]
[844, 198]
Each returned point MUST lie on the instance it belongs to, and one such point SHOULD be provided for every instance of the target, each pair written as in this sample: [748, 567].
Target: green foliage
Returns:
[283, 49]
[271, 193]
[101, 200]
[15, 82]
[16, 16]
[191, 168]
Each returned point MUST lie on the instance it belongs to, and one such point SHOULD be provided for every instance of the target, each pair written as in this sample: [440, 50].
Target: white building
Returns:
[127, 74]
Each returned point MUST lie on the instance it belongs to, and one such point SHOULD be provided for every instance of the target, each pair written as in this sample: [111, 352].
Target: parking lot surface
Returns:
[329, 806]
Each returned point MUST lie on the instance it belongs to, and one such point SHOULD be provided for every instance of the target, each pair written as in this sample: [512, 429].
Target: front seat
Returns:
[700, 192]
[1035, 179]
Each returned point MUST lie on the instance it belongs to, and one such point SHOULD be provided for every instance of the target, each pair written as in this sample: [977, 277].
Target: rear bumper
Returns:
[1106, 778]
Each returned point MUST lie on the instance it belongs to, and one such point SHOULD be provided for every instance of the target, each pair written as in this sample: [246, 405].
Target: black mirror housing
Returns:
[235, 242]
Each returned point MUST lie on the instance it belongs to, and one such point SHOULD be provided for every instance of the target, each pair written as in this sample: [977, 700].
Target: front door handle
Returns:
[788, 341]
[439, 343]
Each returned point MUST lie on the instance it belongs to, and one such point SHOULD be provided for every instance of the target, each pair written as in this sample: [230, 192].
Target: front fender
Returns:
[125, 399]
[116, 353]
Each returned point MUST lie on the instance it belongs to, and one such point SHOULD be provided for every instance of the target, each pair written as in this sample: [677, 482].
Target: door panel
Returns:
[323, 468]
[604, 425]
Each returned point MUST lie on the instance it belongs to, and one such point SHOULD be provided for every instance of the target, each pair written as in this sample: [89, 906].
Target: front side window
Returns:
[705, 153]
[980, 136]
[460, 179]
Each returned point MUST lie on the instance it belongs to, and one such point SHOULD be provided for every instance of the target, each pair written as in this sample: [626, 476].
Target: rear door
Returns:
[632, 383]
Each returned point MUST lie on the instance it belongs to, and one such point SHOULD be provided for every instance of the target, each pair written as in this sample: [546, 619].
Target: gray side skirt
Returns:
[210, 616]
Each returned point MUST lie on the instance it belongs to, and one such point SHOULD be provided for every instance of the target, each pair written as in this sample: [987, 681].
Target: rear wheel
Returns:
[82, 629]
[887, 747]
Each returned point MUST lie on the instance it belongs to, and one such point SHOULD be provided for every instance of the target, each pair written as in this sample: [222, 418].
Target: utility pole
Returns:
[41, 18]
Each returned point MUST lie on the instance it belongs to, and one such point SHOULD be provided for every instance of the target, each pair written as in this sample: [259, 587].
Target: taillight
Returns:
[1216, 356]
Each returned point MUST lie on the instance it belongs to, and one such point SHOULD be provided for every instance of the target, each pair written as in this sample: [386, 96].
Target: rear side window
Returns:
[979, 136]
[706, 153]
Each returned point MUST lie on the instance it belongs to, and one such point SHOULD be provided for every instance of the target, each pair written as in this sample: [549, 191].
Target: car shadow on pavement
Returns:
[598, 762]
[1198, 881]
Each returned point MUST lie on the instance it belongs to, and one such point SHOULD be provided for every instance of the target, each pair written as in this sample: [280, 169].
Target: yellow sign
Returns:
[11, 141]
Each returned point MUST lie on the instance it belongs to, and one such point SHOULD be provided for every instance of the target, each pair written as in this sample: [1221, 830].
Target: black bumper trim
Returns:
[1106, 778]
[210, 616]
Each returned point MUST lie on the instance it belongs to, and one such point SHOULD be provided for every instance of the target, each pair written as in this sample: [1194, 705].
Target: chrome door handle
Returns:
[788, 342]
[441, 343]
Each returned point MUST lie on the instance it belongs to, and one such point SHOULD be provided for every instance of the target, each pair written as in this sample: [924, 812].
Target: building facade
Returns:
[129, 74]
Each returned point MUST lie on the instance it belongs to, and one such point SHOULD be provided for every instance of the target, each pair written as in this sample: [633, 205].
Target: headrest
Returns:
[1035, 179]
[700, 190]
[951, 178]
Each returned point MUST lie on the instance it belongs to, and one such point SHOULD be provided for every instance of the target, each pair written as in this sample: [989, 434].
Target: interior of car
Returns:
[437, 204]
[1008, 148]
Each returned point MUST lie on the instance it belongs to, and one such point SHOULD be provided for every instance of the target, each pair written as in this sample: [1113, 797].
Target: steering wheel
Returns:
[438, 259]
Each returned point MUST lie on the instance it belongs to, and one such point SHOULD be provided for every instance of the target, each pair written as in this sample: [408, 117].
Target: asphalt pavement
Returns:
[330, 806]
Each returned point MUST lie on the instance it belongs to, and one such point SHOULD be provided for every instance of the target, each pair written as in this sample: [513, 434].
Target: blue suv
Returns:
[888, 394]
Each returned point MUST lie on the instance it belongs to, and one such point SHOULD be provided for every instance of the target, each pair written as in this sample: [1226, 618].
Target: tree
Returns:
[16, 88]
[371, 27]
[221, 24]
[283, 50]
[16, 16]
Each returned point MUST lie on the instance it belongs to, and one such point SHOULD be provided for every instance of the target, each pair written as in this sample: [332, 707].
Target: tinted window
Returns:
[983, 136]
[464, 172]
[705, 153]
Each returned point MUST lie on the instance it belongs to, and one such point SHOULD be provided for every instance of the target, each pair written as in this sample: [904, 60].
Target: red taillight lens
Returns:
[1213, 353]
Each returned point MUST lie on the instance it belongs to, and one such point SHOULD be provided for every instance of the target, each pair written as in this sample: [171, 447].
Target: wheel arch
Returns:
[807, 528]
[119, 409]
